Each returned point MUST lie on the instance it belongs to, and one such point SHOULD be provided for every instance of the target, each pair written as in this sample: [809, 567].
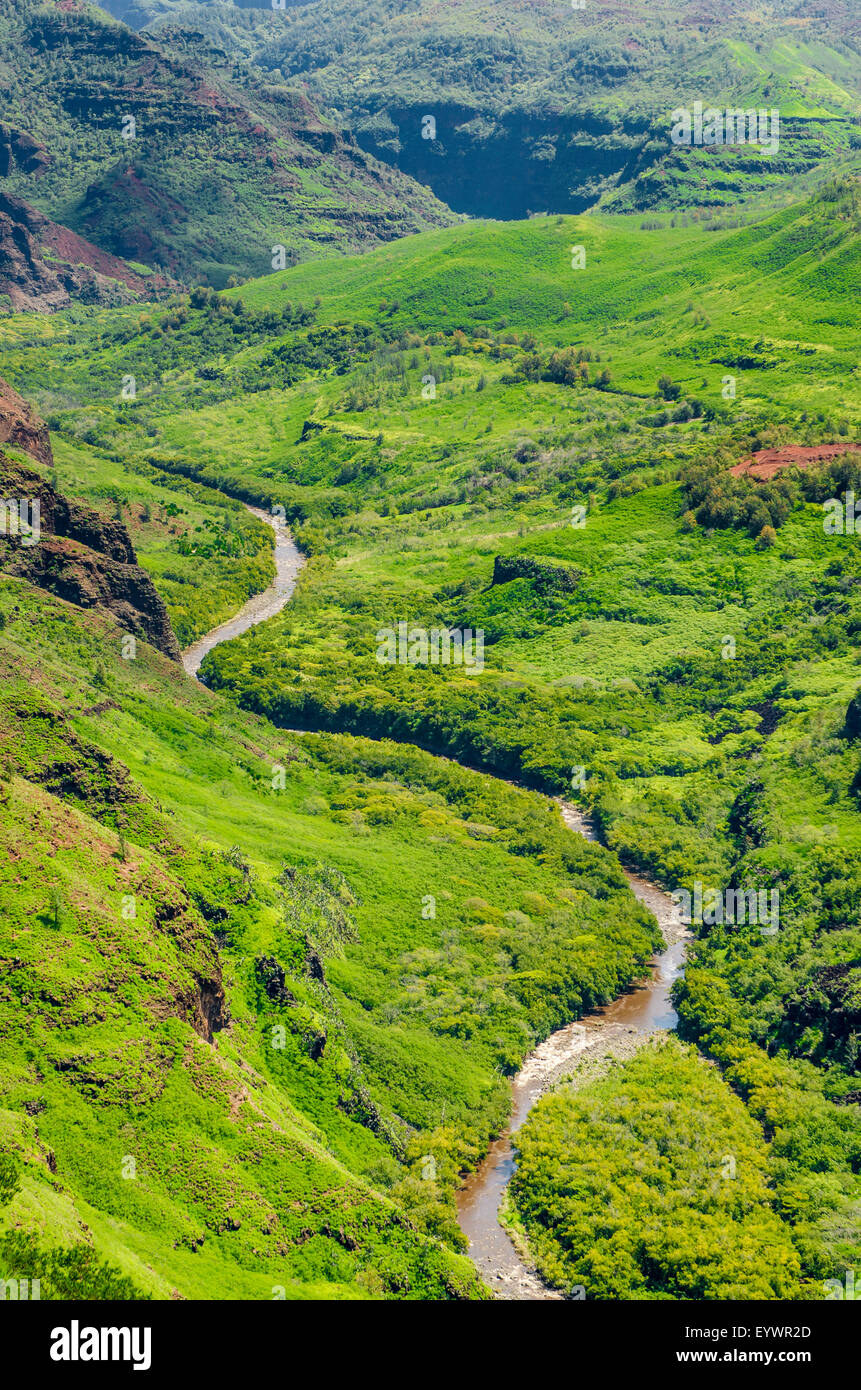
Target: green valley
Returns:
[283, 948]
[509, 108]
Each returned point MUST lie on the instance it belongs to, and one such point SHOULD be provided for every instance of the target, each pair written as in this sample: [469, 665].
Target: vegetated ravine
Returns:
[615, 1030]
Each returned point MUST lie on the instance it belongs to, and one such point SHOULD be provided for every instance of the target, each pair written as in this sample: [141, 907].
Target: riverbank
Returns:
[289, 561]
[615, 1031]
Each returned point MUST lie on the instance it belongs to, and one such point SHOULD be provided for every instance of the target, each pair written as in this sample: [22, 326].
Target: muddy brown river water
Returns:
[616, 1029]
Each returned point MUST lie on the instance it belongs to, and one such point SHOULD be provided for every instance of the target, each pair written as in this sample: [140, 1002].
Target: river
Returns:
[288, 562]
[617, 1029]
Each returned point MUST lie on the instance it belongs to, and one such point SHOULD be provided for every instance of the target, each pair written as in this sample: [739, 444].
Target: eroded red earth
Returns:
[769, 462]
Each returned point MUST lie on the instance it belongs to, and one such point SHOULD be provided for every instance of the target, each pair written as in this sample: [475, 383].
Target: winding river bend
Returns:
[617, 1029]
[288, 562]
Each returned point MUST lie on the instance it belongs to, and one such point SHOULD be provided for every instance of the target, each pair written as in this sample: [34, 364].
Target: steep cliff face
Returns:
[65, 547]
[563, 161]
[21, 427]
[82, 557]
[525, 106]
[44, 266]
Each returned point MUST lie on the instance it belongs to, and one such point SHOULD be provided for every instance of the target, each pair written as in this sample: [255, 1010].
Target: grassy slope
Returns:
[408, 501]
[252, 1145]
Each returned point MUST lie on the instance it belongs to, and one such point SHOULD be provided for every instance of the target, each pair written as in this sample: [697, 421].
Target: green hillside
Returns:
[231, 1032]
[542, 106]
[465, 430]
[217, 170]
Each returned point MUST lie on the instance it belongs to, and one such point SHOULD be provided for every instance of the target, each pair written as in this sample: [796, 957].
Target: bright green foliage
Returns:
[652, 1183]
[704, 682]
[226, 1052]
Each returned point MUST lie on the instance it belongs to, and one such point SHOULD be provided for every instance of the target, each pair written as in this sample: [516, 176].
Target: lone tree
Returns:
[668, 388]
[56, 906]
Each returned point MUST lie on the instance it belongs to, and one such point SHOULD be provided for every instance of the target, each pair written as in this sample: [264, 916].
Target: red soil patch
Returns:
[21, 426]
[74, 249]
[769, 462]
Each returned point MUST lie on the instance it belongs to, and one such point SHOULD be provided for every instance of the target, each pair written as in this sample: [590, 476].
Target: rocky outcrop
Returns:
[20, 150]
[852, 727]
[44, 266]
[202, 1003]
[80, 556]
[24, 277]
[206, 1009]
[547, 576]
[21, 427]
[270, 973]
